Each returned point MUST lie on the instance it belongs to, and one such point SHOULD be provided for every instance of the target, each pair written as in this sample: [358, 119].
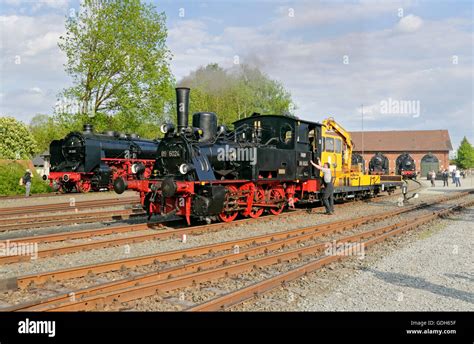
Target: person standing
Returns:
[328, 191]
[433, 177]
[457, 177]
[27, 182]
[445, 178]
[453, 175]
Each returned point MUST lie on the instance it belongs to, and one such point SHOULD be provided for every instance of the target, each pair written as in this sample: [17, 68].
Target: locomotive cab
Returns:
[284, 145]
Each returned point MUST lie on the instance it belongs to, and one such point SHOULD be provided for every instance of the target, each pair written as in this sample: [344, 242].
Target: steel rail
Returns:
[187, 280]
[273, 241]
[169, 273]
[24, 281]
[138, 238]
[41, 208]
[249, 292]
[63, 219]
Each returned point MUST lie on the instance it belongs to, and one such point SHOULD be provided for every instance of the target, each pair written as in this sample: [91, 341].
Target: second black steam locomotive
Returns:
[379, 164]
[86, 160]
[406, 166]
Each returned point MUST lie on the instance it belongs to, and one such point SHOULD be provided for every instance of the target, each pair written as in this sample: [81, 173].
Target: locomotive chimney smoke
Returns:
[88, 128]
[182, 105]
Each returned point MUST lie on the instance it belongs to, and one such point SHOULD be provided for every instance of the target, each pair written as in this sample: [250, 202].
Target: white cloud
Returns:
[313, 13]
[35, 5]
[31, 64]
[406, 59]
[383, 64]
[410, 23]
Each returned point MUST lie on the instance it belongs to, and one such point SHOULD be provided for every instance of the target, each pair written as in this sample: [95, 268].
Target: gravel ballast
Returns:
[427, 270]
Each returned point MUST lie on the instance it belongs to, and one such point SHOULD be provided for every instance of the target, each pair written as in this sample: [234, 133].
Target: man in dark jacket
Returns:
[445, 178]
[27, 182]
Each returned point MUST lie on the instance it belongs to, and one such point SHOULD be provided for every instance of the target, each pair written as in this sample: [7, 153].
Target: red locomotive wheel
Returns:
[277, 196]
[83, 187]
[259, 198]
[229, 215]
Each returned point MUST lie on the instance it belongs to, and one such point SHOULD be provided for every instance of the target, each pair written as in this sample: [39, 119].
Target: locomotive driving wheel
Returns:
[277, 196]
[66, 188]
[259, 197]
[228, 214]
[83, 187]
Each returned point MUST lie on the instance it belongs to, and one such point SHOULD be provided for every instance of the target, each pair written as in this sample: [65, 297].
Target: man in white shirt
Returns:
[457, 177]
[328, 190]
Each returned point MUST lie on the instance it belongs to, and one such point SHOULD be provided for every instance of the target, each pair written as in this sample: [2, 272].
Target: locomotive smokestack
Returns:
[182, 105]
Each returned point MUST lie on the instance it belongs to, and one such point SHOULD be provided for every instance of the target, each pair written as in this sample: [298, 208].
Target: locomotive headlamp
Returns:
[167, 128]
[138, 168]
[185, 168]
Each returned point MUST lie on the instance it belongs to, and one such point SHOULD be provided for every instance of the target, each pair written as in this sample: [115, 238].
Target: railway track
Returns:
[39, 195]
[368, 239]
[225, 264]
[70, 205]
[28, 222]
[170, 233]
[23, 282]
[66, 219]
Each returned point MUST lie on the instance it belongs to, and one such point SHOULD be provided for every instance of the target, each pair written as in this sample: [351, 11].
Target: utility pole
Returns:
[362, 136]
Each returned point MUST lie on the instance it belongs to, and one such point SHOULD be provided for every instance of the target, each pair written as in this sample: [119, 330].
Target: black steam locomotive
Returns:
[87, 160]
[206, 172]
[378, 164]
[406, 166]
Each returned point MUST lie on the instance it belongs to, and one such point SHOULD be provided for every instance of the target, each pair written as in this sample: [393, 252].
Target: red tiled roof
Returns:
[406, 141]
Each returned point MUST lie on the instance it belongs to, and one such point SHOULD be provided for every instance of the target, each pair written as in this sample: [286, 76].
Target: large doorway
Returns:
[429, 163]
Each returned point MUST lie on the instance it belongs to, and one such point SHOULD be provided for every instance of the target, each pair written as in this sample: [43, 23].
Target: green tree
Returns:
[236, 93]
[16, 140]
[465, 155]
[45, 129]
[117, 57]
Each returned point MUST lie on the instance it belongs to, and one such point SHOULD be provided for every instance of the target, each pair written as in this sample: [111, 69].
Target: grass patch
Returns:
[431, 230]
[10, 174]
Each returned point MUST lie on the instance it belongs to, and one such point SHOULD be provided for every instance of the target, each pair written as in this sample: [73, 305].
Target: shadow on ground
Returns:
[404, 280]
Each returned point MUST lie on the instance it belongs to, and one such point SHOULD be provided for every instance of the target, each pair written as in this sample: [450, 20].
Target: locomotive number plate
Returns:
[170, 154]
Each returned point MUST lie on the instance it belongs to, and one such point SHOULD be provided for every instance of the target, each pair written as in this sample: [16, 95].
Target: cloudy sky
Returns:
[409, 63]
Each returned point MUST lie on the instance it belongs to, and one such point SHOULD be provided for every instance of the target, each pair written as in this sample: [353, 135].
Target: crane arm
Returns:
[331, 124]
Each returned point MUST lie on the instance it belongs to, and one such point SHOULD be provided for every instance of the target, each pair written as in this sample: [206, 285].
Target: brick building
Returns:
[429, 148]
